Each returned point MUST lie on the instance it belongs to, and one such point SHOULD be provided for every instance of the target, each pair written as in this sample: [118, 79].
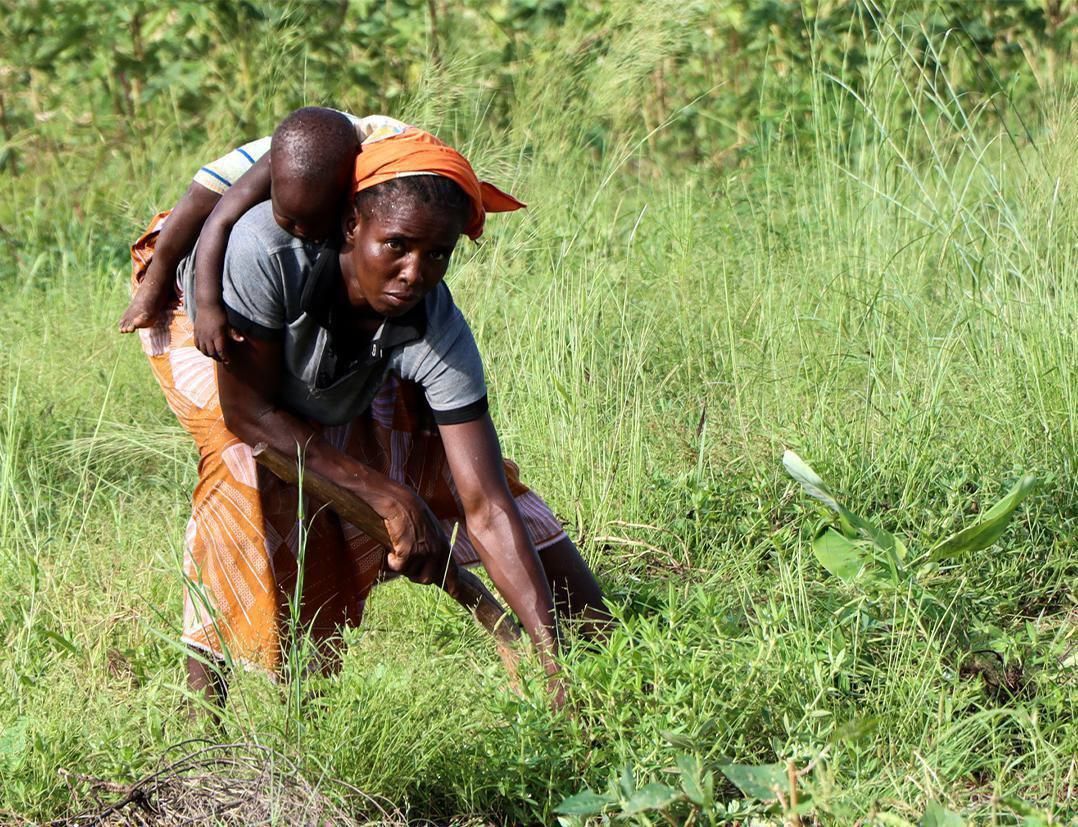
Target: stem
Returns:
[791, 775]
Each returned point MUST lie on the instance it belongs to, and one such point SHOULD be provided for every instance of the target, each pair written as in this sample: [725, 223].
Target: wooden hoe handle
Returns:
[463, 586]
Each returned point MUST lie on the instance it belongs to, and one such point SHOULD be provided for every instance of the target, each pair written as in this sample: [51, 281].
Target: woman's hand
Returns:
[420, 548]
[249, 385]
[497, 531]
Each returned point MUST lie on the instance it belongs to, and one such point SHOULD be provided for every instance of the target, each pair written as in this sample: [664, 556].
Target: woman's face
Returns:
[397, 254]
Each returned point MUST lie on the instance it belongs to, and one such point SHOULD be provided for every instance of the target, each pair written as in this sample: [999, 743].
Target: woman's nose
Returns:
[410, 272]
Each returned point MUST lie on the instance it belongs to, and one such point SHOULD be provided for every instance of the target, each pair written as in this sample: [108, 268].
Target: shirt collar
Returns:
[324, 291]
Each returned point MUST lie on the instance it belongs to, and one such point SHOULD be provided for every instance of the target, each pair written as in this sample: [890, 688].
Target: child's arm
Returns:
[211, 325]
[175, 241]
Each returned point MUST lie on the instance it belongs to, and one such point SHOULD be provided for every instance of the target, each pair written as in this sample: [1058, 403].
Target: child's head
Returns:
[311, 162]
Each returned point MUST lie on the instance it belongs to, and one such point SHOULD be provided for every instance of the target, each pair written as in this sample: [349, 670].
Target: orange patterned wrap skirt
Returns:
[244, 541]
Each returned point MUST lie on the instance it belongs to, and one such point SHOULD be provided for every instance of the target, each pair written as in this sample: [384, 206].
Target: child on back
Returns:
[305, 169]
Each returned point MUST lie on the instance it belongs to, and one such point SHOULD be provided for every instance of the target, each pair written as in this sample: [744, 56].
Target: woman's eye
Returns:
[439, 255]
[395, 244]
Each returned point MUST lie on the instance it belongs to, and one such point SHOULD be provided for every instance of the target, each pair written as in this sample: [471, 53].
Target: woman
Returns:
[358, 360]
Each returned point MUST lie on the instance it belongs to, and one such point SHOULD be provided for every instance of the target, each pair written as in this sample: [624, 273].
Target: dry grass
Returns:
[198, 782]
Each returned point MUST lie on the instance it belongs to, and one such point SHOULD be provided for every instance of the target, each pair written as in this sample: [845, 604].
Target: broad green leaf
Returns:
[855, 729]
[900, 548]
[585, 803]
[1031, 816]
[14, 743]
[652, 796]
[936, 815]
[838, 555]
[853, 525]
[59, 640]
[809, 479]
[678, 739]
[627, 781]
[891, 820]
[757, 780]
[988, 528]
[698, 784]
[858, 526]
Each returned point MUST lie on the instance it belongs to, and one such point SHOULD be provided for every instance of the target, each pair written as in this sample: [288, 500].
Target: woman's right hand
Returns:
[420, 548]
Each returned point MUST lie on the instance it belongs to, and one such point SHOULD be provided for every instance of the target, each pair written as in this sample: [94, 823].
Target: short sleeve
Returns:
[450, 371]
[217, 176]
[252, 287]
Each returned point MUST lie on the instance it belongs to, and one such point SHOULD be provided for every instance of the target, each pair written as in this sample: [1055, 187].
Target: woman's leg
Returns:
[577, 596]
[207, 679]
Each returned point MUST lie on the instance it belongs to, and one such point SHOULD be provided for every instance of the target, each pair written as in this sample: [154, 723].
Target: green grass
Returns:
[891, 295]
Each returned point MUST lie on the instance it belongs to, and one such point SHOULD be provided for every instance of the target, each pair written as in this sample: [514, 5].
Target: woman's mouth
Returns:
[401, 300]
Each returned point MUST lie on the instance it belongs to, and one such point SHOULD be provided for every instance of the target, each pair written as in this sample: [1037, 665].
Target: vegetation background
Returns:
[842, 226]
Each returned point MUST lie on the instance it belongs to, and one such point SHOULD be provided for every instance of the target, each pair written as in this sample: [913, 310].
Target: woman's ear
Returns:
[350, 224]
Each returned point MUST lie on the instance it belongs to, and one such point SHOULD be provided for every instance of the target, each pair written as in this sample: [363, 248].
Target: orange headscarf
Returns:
[415, 152]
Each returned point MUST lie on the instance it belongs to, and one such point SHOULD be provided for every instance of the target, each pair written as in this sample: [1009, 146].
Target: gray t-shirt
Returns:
[276, 286]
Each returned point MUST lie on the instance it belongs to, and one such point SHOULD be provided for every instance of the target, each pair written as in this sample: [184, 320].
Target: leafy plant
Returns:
[860, 553]
[695, 790]
[769, 788]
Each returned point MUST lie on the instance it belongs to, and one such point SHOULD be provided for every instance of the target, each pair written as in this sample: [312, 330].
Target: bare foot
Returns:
[144, 309]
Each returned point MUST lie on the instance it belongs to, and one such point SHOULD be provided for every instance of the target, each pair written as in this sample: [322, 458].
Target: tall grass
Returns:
[890, 295]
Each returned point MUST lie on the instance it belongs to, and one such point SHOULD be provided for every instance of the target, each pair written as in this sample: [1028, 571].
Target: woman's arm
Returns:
[211, 324]
[498, 533]
[249, 385]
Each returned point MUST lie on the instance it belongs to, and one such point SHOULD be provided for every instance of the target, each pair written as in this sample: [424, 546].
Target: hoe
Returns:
[460, 584]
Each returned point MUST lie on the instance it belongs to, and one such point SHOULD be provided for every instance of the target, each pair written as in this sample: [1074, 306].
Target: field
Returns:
[877, 273]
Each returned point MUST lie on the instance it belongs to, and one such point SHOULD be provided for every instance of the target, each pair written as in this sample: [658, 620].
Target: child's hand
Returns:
[212, 333]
